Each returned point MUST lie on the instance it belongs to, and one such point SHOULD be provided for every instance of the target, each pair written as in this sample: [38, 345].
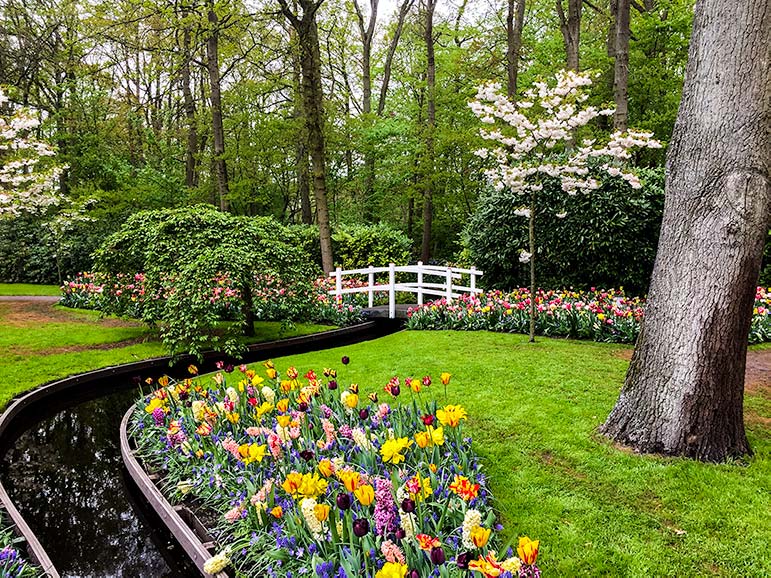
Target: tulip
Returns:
[303, 407]
[400, 534]
[332, 384]
[345, 360]
[360, 527]
[413, 574]
[343, 501]
[437, 556]
[408, 505]
[307, 455]
[363, 414]
[463, 560]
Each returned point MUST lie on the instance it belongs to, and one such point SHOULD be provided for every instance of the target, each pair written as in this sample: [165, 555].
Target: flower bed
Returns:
[126, 295]
[12, 562]
[601, 315]
[303, 476]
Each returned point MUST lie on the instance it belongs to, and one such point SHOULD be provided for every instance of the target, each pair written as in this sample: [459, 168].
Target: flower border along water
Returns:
[306, 477]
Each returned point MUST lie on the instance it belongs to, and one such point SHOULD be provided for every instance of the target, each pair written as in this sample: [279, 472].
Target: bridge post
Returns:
[338, 285]
[392, 291]
[371, 291]
[420, 282]
[449, 284]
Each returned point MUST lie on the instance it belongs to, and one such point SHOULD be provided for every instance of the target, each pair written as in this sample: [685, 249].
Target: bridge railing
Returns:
[442, 283]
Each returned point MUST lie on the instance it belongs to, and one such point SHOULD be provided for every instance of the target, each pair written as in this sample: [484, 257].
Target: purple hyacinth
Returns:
[159, 416]
[385, 507]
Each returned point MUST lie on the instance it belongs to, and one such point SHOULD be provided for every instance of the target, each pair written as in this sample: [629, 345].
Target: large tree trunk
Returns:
[428, 167]
[571, 30]
[621, 65]
[218, 132]
[313, 108]
[684, 389]
[515, 20]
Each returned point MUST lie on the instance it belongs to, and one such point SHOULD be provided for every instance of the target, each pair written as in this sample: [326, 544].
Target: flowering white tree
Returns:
[27, 182]
[535, 138]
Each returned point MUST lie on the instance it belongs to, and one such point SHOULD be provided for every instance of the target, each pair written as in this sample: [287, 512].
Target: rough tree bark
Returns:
[684, 389]
[515, 20]
[571, 30]
[428, 168]
[621, 64]
[218, 132]
[313, 109]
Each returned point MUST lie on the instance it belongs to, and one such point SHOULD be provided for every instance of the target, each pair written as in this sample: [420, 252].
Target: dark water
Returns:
[65, 475]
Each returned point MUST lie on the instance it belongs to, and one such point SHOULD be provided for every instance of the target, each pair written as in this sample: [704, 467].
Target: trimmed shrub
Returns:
[608, 237]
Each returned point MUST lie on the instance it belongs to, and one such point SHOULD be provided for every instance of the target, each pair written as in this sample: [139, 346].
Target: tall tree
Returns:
[621, 15]
[313, 108]
[191, 150]
[570, 26]
[218, 132]
[684, 390]
[429, 161]
[515, 20]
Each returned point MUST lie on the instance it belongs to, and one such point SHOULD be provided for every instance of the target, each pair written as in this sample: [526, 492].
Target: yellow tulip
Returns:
[365, 494]
[325, 467]
[480, 536]
[321, 511]
[528, 550]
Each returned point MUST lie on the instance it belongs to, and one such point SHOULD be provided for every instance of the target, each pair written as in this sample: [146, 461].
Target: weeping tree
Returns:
[683, 393]
[190, 258]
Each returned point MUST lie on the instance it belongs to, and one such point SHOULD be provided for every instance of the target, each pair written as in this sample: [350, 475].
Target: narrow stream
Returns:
[65, 475]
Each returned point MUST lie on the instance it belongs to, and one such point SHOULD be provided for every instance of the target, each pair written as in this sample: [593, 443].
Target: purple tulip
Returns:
[363, 414]
[332, 384]
[343, 501]
[437, 555]
[463, 560]
[346, 360]
[307, 455]
[400, 534]
[408, 505]
[361, 528]
[302, 406]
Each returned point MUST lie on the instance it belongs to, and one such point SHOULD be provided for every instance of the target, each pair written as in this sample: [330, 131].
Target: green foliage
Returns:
[765, 269]
[608, 238]
[357, 246]
[182, 253]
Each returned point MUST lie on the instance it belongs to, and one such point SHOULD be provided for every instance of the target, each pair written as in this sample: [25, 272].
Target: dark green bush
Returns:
[608, 238]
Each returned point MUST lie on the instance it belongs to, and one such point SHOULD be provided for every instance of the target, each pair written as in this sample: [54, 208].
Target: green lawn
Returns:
[28, 289]
[597, 510]
[41, 343]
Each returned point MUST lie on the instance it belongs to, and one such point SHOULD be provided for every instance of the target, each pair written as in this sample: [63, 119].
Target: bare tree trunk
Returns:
[621, 65]
[404, 9]
[301, 150]
[684, 389]
[191, 166]
[571, 30]
[515, 20]
[218, 132]
[428, 168]
[313, 109]
[367, 34]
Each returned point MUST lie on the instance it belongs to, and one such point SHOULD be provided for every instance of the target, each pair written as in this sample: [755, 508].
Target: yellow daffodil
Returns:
[451, 415]
[252, 452]
[392, 570]
[233, 417]
[154, 404]
[257, 380]
[312, 486]
[263, 408]
[283, 420]
[391, 450]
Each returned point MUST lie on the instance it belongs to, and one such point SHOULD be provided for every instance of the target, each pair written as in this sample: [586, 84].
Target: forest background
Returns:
[155, 104]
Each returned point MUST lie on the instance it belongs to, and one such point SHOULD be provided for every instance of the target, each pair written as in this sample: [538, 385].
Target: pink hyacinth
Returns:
[231, 446]
[385, 507]
[392, 552]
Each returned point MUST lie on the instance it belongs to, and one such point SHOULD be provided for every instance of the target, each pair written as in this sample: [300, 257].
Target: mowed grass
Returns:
[598, 510]
[28, 289]
[40, 342]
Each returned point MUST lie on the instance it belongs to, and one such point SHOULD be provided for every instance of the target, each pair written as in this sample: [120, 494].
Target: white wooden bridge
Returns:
[430, 280]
